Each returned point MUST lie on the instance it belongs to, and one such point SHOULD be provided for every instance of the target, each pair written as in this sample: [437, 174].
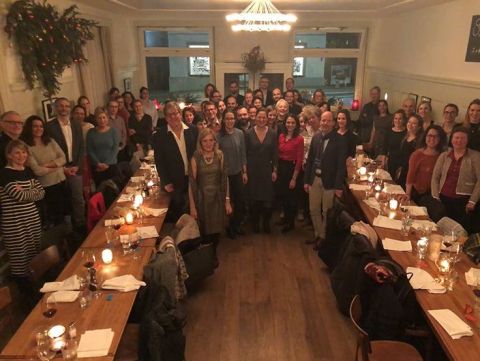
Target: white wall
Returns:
[423, 52]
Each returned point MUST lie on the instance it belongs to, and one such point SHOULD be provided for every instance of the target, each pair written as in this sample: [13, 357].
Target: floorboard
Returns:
[270, 300]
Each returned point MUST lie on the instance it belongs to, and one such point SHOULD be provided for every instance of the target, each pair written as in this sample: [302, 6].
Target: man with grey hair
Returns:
[325, 172]
[12, 126]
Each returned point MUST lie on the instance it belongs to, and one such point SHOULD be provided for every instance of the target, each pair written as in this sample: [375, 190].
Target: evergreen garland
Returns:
[254, 60]
[47, 41]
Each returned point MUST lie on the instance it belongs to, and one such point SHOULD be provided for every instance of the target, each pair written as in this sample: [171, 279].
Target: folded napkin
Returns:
[395, 245]
[473, 276]
[95, 343]
[147, 232]
[451, 323]
[63, 296]
[140, 178]
[421, 223]
[393, 189]
[69, 284]
[155, 212]
[111, 222]
[422, 280]
[385, 222]
[383, 174]
[124, 197]
[416, 211]
[123, 283]
[358, 187]
[372, 203]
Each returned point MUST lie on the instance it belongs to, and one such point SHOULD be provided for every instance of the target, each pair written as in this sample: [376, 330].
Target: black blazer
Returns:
[78, 147]
[333, 164]
[168, 157]
[269, 100]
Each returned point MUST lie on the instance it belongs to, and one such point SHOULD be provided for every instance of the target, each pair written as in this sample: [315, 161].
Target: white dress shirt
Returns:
[67, 133]
[181, 144]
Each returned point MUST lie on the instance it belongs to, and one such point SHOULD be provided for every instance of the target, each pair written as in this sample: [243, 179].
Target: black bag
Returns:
[200, 263]
[472, 247]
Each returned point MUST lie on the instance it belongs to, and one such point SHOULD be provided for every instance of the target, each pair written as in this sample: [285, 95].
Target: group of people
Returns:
[48, 170]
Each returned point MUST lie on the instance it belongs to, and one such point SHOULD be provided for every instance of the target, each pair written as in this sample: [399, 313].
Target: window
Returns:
[177, 63]
[331, 61]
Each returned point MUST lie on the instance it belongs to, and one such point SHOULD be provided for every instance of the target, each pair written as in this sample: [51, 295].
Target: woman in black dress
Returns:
[391, 157]
[409, 144]
[20, 221]
[262, 159]
[344, 123]
[140, 128]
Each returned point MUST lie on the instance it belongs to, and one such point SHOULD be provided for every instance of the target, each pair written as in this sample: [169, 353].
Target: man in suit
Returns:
[267, 94]
[325, 172]
[174, 145]
[69, 137]
[234, 91]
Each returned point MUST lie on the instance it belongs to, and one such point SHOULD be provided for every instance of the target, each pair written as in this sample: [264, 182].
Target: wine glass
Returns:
[89, 258]
[134, 242]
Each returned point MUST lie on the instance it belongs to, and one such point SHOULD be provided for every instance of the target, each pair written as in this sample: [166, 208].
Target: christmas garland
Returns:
[254, 61]
[47, 41]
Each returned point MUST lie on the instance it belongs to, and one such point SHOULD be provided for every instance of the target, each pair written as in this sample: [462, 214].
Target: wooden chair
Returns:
[378, 350]
[43, 262]
[6, 316]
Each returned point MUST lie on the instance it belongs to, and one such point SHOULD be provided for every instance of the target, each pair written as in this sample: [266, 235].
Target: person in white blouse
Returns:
[148, 106]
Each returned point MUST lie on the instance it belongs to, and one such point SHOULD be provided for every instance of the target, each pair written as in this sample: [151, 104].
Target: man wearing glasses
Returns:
[174, 145]
[12, 126]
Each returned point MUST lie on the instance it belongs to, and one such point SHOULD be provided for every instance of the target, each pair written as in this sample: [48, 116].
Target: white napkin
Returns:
[123, 283]
[124, 197]
[155, 212]
[95, 343]
[111, 222]
[372, 203]
[63, 296]
[137, 178]
[451, 323]
[395, 245]
[69, 284]
[383, 174]
[423, 223]
[472, 276]
[416, 211]
[385, 222]
[422, 280]
[393, 189]
[147, 232]
[358, 187]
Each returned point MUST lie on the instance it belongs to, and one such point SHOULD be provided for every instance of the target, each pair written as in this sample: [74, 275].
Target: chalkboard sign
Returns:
[473, 48]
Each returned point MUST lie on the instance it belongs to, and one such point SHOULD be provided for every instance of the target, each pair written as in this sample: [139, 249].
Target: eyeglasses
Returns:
[13, 123]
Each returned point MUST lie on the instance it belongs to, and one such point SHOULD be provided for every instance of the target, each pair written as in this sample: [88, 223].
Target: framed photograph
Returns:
[341, 74]
[473, 47]
[127, 84]
[425, 99]
[199, 66]
[298, 66]
[414, 97]
[48, 111]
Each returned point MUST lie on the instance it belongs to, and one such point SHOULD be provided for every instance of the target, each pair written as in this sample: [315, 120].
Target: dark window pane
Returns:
[174, 39]
[327, 40]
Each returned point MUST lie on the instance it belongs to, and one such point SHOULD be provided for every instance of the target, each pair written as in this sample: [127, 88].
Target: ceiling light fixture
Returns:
[261, 15]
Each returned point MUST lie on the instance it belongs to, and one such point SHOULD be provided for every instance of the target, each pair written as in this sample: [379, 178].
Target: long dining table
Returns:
[110, 308]
[466, 348]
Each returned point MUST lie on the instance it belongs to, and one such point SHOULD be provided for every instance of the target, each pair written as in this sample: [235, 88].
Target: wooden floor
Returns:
[270, 299]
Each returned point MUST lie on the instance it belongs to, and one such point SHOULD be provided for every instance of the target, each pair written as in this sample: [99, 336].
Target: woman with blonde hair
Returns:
[208, 187]
[424, 109]
[472, 123]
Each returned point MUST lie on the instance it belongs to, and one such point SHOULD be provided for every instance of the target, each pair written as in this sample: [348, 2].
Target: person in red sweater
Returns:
[290, 155]
[422, 161]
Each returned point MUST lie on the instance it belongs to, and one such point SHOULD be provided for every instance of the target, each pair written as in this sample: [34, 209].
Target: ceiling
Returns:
[350, 6]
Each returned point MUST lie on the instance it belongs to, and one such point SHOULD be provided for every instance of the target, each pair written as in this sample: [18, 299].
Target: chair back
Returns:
[43, 262]
[96, 210]
[363, 342]
[6, 318]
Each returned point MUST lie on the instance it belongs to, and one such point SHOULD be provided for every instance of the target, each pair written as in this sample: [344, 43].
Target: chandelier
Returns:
[261, 15]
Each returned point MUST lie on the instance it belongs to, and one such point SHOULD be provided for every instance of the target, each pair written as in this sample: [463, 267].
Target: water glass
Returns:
[422, 246]
[69, 352]
[406, 224]
[44, 351]
[111, 235]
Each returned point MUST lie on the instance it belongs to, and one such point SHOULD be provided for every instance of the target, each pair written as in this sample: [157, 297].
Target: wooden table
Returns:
[464, 349]
[111, 309]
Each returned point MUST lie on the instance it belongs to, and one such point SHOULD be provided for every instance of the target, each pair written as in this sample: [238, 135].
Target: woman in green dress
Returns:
[208, 187]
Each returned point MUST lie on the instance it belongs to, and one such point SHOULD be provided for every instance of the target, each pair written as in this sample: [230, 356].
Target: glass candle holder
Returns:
[422, 246]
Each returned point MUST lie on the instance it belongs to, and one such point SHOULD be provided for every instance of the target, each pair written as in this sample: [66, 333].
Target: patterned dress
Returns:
[20, 223]
[209, 190]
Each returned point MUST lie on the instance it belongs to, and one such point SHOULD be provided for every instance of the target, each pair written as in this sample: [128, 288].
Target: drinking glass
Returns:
[445, 265]
[134, 241]
[44, 352]
[422, 246]
[125, 245]
[69, 352]
[110, 234]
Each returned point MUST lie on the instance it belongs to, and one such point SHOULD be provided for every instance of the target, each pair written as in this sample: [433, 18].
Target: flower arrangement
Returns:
[254, 60]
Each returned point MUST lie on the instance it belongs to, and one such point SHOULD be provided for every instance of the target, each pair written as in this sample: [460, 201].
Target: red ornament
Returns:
[355, 105]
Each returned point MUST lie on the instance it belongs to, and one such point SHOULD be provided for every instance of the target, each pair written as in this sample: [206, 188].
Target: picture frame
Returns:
[341, 74]
[414, 97]
[127, 84]
[423, 99]
[198, 66]
[298, 66]
[48, 111]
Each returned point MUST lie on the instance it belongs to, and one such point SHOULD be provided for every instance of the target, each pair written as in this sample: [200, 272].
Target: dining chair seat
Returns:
[393, 351]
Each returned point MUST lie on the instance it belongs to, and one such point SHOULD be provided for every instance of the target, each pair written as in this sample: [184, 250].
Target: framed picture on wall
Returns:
[127, 84]
[298, 66]
[198, 65]
[341, 74]
[48, 111]
[414, 97]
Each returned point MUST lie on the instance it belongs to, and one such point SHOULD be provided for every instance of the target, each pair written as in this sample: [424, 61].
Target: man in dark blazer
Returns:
[174, 145]
[325, 172]
[267, 94]
[69, 137]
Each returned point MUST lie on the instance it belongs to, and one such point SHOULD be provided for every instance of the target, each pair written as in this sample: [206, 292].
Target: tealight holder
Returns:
[107, 256]
[422, 246]
[129, 218]
[57, 337]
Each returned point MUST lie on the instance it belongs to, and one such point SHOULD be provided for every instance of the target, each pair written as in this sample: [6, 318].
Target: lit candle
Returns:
[444, 266]
[378, 188]
[137, 201]
[393, 204]
[362, 170]
[129, 218]
[371, 178]
[57, 334]
[150, 183]
[107, 256]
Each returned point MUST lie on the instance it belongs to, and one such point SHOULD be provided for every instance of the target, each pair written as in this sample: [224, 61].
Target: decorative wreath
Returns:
[254, 61]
